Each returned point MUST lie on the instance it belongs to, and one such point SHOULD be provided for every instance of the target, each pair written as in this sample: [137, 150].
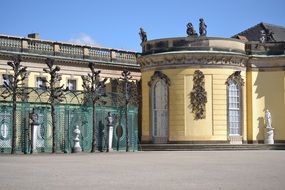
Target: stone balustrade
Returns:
[193, 44]
[212, 44]
[67, 50]
[268, 48]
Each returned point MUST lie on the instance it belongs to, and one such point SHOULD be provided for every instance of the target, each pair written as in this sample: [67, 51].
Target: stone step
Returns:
[209, 147]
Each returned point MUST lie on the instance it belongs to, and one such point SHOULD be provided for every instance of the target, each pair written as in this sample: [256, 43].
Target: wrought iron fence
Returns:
[69, 114]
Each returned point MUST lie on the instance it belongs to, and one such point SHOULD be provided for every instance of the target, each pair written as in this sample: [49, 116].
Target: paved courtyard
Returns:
[145, 170]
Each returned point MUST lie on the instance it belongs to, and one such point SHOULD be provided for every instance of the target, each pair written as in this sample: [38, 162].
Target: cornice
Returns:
[187, 59]
[65, 60]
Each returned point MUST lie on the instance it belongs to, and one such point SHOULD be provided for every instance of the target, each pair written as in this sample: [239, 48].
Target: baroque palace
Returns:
[200, 89]
[194, 89]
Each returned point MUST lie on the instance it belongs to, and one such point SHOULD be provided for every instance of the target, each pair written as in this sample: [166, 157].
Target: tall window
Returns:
[159, 107]
[234, 112]
[40, 82]
[71, 84]
[234, 86]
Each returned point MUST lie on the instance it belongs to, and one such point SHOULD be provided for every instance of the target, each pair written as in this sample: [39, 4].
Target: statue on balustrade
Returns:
[190, 30]
[143, 35]
[202, 27]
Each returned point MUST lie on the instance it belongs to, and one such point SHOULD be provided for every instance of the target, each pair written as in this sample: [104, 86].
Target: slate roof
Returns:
[253, 33]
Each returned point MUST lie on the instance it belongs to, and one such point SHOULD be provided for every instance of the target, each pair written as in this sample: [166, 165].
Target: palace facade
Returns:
[195, 89]
[200, 89]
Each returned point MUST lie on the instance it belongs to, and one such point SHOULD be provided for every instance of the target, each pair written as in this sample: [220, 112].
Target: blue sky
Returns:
[116, 23]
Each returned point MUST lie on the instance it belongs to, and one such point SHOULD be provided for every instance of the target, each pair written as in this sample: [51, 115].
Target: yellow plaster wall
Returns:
[268, 92]
[182, 126]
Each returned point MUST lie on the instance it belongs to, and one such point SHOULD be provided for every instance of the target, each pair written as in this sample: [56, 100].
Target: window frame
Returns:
[72, 79]
[10, 76]
[43, 83]
[234, 107]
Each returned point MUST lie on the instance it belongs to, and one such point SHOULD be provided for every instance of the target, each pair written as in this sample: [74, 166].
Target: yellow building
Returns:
[73, 60]
[195, 89]
[213, 90]
[18, 129]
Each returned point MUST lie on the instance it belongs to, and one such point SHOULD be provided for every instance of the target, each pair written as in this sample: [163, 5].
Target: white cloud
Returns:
[83, 39]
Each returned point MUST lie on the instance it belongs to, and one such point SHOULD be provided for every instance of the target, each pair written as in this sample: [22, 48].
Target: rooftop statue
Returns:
[266, 36]
[190, 30]
[143, 36]
[262, 36]
[269, 35]
[202, 27]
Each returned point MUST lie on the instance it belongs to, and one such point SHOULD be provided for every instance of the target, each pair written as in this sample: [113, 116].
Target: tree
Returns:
[127, 96]
[12, 88]
[93, 90]
[55, 94]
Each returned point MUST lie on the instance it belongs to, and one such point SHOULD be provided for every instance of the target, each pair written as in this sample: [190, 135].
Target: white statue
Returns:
[77, 147]
[110, 129]
[268, 133]
[268, 120]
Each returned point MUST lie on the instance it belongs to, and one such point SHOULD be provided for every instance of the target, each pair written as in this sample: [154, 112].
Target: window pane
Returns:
[234, 109]
[160, 109]
[40, 82]
[71, 84]
[7, 79]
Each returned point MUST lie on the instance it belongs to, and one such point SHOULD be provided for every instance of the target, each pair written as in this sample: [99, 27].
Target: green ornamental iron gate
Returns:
[68, 117]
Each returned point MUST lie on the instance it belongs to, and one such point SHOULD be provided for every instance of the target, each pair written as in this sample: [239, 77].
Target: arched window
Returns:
[234, 114]
[234, 95]
[159, 107]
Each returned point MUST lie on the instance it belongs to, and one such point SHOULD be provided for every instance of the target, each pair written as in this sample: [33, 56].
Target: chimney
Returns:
[34, 35]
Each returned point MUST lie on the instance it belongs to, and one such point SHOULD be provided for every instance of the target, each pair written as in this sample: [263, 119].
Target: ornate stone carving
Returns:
[159, 75]
[236, 77]
[176, 60]
[198, 96]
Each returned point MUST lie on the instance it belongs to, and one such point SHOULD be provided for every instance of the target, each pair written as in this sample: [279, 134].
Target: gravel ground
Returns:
[176, 170]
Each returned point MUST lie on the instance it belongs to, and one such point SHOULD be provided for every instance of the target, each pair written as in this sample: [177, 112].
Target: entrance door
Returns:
[159, 112]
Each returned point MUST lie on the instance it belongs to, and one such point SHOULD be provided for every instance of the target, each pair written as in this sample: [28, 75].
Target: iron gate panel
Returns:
[68, 116]
[5, 128]
[81, 116]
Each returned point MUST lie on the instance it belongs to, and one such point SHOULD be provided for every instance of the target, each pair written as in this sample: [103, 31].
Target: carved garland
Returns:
[198, 96]
[219, 60]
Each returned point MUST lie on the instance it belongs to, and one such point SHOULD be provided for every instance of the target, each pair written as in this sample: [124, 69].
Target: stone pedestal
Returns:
[110, 148]
[34, 140]
[268, 135]
[77, 147]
